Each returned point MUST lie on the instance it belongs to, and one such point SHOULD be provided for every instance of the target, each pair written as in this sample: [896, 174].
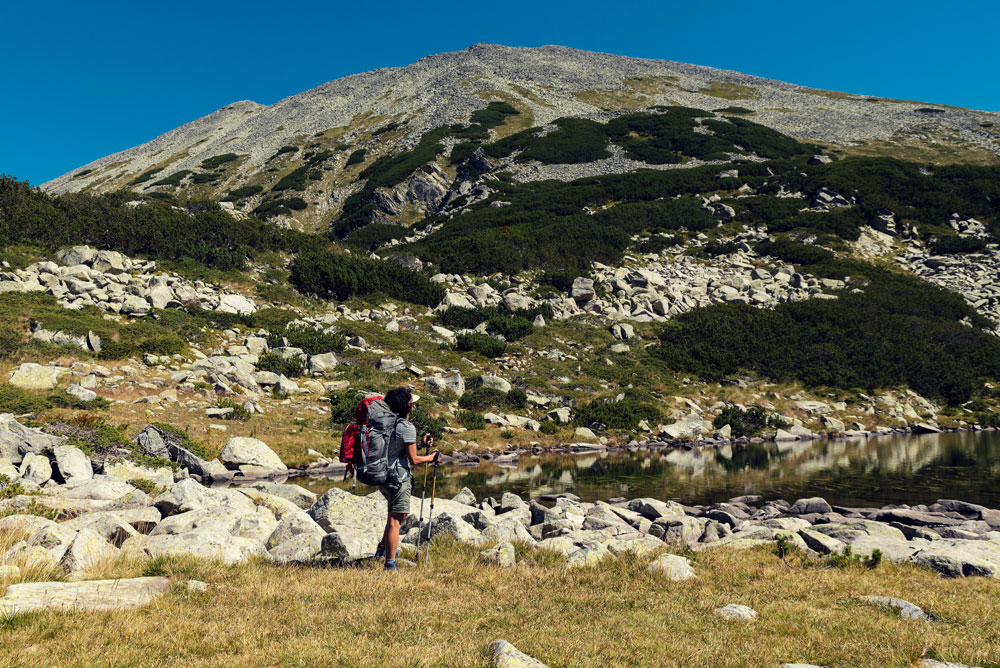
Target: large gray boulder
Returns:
[92, 595]
[212, 545]
[582, 290]
[958, 558]
[672, 567]
[98, 488]
[77, 255]
[245, 451]
[293, 525]
[815, 505]
[87, 549]
[345, 544]
[501, 555]
[16, 440]
[36, 468]
[906, 609]
[183, 496]
[72, 463]
[338, 510]
[299, 549]
[505, 655]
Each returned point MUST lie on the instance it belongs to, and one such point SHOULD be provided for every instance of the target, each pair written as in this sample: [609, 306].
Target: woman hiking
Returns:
[402, 452]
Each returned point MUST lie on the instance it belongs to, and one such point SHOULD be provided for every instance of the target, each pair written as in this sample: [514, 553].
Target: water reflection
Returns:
[904, 469]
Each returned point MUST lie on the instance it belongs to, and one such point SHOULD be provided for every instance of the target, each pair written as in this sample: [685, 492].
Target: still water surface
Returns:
[855, 472]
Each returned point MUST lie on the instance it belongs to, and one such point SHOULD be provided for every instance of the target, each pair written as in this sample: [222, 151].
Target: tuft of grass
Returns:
[730, 91]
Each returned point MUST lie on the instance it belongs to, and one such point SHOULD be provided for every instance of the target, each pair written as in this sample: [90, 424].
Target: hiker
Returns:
[402, 455]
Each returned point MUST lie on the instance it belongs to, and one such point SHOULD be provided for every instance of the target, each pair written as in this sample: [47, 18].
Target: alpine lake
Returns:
[857, 472]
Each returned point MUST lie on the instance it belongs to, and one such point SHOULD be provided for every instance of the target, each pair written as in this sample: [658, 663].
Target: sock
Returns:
[390, 564]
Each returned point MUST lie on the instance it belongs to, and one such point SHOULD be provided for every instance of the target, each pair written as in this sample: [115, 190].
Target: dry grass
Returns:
[730, 91]
[943, 149]
[615, 614]
[615, 100]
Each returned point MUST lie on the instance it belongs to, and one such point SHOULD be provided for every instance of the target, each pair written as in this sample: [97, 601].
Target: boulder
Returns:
[672, 567]
[183, 496]
[495, 383]
[92, 595]
[960, 558]
[209, 544]
[505, 655]
[36, 468]
[31, 376]
[79, 392]
[87, 549]
[906, 609]
[299, 549]
[391, 364]
[293, 525]
[321, 364]
[465, 497]
[77, 255]
[123, 469]
[815, 505]
[582, 290]
[98, 488]
[16, 440]
[232, 303]
[736, 611]
[339, 509]
[344, 545]
[72, 463]
[243, 450]
[501, 555]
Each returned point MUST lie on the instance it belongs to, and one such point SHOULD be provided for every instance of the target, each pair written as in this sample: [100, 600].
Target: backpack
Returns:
[365, 444]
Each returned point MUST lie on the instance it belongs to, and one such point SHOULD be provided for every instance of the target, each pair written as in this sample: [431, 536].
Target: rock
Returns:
[92, 595]
[815, 505]
[151, 441]
[344, 545]
[338, 509]
[832, 423]
[672, 567]
[813, 407]
[300, 497]
[36, 468]
[495, 383]
[205, 544]
[72, 463]
[79, 392]
[926, 428]
[821, 543]
[783, 435]
[291, 525]
[31, 376]
[465, 496]
[321, 364]
[584, 432]
[87, 549]
[589, 554]
[582, 290]
[505, 655]
[391, 364]
[71, 257]
[230, 303]
[449, 524]
[243, 450]
[122, 469]
[931, 663]
[958, 558]
[137, 306]
[9, 572]
[299, 549]
[819, 160]
[502, 555]
[184, 496]
[906, 609]
[736, 611]
[623, 331]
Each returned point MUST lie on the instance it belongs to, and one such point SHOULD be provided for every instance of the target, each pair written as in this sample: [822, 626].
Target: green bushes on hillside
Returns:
[174, 179]
[218, 160]
[374, 235]
[484, 344]
[899, 330]
[510, 325]
[616, 413]
[201, 232]
[312, 340]
[356, 157]
[242, 192]
[340, 276]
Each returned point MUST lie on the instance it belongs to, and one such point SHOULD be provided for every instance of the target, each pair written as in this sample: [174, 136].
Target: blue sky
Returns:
[82, 80]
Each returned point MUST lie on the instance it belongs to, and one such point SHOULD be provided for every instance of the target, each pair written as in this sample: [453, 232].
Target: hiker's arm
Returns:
[411, 453]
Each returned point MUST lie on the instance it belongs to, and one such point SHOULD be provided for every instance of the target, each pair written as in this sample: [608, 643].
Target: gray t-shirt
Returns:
[403, 434]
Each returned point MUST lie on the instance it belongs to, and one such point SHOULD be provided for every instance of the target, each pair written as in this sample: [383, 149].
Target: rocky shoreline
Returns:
[113, 506]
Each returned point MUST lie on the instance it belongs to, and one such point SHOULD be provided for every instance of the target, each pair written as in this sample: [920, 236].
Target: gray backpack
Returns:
[371, 454]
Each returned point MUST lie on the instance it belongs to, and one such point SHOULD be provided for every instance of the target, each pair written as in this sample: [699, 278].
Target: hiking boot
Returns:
[380, 551]
[390, 565]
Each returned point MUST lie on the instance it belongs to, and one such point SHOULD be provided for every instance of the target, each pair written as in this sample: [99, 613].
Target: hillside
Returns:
[318, 136]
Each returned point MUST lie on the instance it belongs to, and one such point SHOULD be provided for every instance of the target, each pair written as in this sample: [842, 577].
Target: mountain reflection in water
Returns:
[853, 472]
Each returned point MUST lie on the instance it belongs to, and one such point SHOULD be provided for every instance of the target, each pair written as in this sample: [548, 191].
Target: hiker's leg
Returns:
[392, 535]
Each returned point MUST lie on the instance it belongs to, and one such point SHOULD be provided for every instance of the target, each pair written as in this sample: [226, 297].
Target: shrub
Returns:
[216, 161]
[370, 237]
[484, 344]
[341, 276]
[516, 398]
[899, 330]
[145, 176]
[10, 342]
[426, 424]
[292, 367]
[201, 232]
[746, 422]
[242, 192]
[481, 398]
[955, 245]
[342, 405]
[549, 427]
[144, 485]
[174, 179]
[204, 177]
[510, 325]
[19, 402]
[296, 179]
[622, 414]
[238, 413]
[471, 420]
[312, 340]
[356, 157]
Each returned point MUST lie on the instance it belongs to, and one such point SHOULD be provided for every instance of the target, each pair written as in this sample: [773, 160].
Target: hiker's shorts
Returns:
[398, 499]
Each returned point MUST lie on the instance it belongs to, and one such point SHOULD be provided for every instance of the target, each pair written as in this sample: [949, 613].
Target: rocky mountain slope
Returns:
[337, 129]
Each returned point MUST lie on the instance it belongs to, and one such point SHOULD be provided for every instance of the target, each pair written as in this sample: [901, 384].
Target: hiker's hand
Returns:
[436, 455]
[427, 441]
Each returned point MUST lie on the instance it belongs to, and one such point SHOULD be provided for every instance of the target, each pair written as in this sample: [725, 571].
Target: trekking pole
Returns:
[430, 520]
[423, 493]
